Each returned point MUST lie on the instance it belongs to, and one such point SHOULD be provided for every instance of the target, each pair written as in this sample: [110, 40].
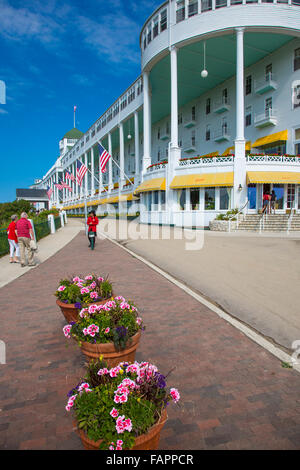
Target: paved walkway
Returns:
[253, 277]
[235, 395]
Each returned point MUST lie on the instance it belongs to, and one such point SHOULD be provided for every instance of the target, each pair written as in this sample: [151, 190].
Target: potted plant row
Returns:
[123, 407]
[112, 329]
[79, 292]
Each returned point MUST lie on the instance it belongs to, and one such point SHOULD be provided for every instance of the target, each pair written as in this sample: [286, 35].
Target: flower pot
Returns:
[148, 441]
[70, 312]
[109, 352]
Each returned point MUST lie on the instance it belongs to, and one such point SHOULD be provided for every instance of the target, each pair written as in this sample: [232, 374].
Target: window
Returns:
[279, 193]
[225, 198]
[268, 107]
[194, 113]
[248, 116]
[158, 155]
[149, 201]
[155, 27]
[269, 72]
[296, 96]
[163, 20]
[248, 85]
[290, 196]
[180, 12]
[155, 201]
[158, 133]
[210, 199]
[149, 34]
[195, 199]
[167, 128]
[297, 59]
[181, 199]
[207, 133]
[163, 200]
[193, 7]
[208, 102]
[224, 96]
[145, 40]
[224, 126]
[179, 118]
[193, 138]
[221, 3]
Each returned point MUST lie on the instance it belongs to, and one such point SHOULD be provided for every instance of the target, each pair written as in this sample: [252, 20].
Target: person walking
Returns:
[273, 201]
[265, 202]
[25, 234]
[92, 223]
[14, 249]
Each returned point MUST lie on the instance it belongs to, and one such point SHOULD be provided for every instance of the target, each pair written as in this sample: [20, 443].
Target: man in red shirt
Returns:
[25, 234]
[92, 223]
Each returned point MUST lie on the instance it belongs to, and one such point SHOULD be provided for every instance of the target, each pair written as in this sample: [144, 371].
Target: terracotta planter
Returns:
[147, 441]
[109, 352]
[71, 313]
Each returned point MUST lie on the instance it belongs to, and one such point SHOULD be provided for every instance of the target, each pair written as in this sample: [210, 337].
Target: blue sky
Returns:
[54, 55]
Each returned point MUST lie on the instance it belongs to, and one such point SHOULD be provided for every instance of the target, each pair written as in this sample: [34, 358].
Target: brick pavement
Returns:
[235, 395]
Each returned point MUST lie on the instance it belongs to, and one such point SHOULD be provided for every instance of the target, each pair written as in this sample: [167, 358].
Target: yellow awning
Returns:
[280, 177]
[232, 148]
[204, 179]
[269, 139]
[156, 184]
[212, 154]
[111, 200]
[128, 197]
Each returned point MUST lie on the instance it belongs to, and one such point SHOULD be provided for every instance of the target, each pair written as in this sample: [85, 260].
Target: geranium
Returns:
[136, 407]
[78, 289]
[67, 330]
[61, 288]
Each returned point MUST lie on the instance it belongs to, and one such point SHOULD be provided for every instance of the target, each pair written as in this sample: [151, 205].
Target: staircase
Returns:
[269, 223]
[295, 223]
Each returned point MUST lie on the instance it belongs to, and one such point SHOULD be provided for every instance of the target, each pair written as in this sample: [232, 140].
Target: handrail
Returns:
[237, 215]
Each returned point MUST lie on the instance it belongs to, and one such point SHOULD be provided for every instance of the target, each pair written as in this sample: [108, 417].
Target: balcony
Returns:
[190, 123]
[222, 136]
[221, 106]
[165, 136]
[190, 149]
[265, 85]
[268, 118]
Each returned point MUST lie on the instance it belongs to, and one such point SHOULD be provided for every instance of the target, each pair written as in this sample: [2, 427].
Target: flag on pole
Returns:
[104, 157]
[70, 176]
[81, 170]
[58, 185]
[49, 192]
[75, 107]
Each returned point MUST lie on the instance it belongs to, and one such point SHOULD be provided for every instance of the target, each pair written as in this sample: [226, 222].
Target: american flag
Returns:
[49, 192]
[70, 176]
[81, 170]
[104, 157]
[65, 185]
[58, 185]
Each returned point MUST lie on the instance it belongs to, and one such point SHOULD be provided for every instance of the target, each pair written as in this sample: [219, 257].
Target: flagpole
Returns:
[94, 176]
[74, 115]
[119, 168]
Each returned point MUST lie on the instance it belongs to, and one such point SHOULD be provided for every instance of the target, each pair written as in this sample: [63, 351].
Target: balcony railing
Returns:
[268, 83]
[206, 161]
[262, 159]
[267, 118]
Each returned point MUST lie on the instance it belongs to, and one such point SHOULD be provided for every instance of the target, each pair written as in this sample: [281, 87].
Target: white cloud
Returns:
[3, 111]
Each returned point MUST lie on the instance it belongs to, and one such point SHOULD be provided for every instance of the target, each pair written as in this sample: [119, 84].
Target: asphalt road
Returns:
[255, 278]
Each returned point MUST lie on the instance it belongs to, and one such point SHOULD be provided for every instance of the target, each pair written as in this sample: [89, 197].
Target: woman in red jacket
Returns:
[92, 223]
[13, 241]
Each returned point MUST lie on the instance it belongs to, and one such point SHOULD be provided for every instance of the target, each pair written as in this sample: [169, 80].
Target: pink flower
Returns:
[119, 448]
[85, 331]
[103, 371]
[93, 308]
[92, 330]
[93, 295]
[88, 278]
[82, 312]
[76, 279]
[93, 285]
[128, 424]
[123, 424]
[128, 383]
[139, 320]
[120, 298]
[100, 279]
[61, 288]
[84, 387]
[85, 290]
[66, 330]
[111, 447]
[114, 371]
[119, 442]
[107, 330]
[114, 413]
[133, 368]
[175, 394]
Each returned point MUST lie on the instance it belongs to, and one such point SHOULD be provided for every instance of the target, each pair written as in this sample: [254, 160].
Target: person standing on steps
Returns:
[273, 201]
[25, 234]
[92, 223]
[13, 241]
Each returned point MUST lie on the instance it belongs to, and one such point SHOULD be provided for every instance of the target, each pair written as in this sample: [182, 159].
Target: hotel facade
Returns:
[211, 124]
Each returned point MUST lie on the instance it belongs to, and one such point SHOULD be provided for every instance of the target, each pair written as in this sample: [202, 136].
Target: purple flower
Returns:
[72, 323]
[121, 331]
[77, 305]
[65, 301]
[160, 380]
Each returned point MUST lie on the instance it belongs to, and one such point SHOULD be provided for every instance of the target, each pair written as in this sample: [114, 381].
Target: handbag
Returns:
[33, 245]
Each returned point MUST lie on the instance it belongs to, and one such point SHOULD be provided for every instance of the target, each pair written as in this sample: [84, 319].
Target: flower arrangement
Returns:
[119, 404]
[115, 321]
[83, 291]
[164, 162]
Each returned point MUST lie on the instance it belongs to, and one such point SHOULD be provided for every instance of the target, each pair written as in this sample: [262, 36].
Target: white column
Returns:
[147, 122]
[240, 187]
[174, 98]
[93, 171]
[122, 177]
[136, 147]
[110, 163]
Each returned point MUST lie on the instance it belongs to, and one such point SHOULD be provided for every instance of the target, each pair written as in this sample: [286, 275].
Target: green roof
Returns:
[73, 134]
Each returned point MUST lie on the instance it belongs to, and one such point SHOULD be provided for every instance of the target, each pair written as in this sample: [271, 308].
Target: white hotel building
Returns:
[192, 145]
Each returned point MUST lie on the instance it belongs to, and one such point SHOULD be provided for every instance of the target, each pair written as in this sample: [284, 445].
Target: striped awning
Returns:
[280, 177]
[202, 179]
[155, 184]
[271, 138]
[231, 149]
